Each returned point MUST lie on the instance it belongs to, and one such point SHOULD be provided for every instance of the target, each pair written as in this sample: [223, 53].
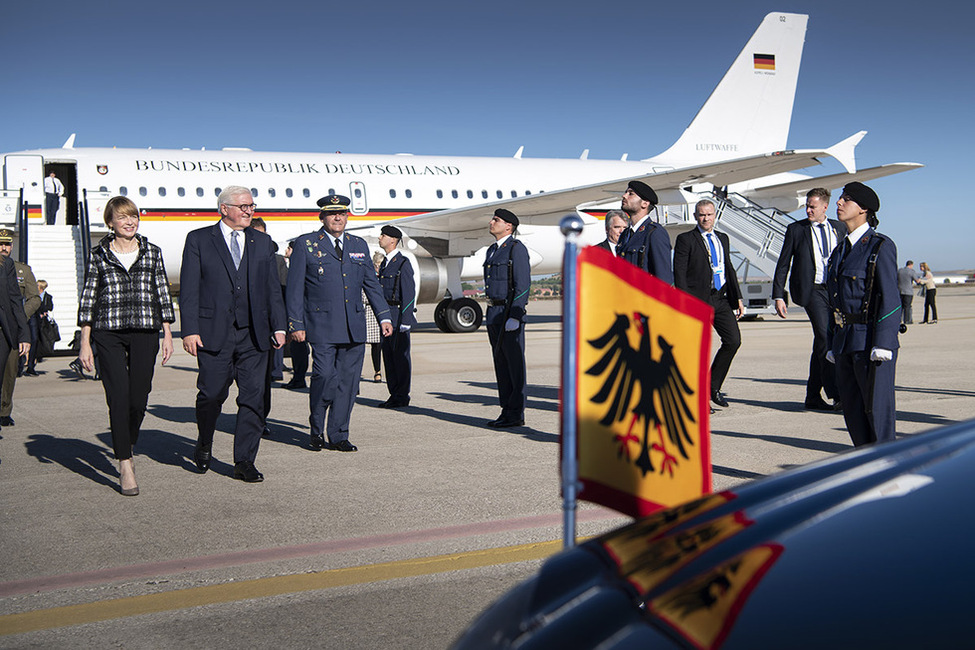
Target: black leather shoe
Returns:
[818, 404]
[295, 384]
[317, 442]
[266, 433]
[341, 445]
[6, 421]
[507, 423]
[30, 373]
[719, 398]
[246, 472]
[837, 406]
[394, 403]
[201, 456]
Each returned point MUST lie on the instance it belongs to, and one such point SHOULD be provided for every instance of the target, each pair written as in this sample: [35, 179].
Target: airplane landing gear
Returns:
[461, 315]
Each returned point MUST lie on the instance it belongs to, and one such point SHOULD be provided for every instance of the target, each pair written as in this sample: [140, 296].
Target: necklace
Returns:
[118, 249]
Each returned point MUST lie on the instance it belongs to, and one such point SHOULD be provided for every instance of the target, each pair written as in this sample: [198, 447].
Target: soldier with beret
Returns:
[644, 244]
[507, 278]
[862, 337]
[329, 271]
[399, 290]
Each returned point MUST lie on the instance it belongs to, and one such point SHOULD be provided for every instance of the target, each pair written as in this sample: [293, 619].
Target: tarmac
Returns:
[399, 545]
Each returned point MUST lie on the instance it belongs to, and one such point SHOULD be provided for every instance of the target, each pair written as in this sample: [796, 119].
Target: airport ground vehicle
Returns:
[869, 549]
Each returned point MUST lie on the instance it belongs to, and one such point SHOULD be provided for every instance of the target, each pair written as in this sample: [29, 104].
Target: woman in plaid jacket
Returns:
[124, 302]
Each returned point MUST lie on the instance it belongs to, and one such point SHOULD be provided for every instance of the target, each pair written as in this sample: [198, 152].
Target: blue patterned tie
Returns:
[825, 249]
[235, 248]
[714, 262]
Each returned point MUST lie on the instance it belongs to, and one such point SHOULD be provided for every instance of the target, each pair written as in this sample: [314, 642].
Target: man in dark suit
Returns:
[615, 223]
[13, 320]
[329, 271]
[644, 244]
[807, 247]
[399, 290]
[231, 315]
[703, 268]
[862, 337]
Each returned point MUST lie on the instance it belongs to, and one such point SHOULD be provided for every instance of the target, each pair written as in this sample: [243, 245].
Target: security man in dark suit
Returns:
[703, 268]
[329, 271]
[14, 333]
[862, 337]
[399, 290]
[644, 244]
[231, 315]
[507, 280]
[615, 223]
[807, 247]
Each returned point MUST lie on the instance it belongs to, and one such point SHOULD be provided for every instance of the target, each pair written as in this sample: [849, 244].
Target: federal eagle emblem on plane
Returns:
[643, 388]
[102, 169]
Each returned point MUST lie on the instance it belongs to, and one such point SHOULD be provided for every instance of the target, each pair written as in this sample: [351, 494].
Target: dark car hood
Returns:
[870, 548]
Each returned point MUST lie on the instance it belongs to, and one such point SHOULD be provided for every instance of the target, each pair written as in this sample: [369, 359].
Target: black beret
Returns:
[334, 203]
[392, 231]
[644, 191]
[865, 197]
[506, 215]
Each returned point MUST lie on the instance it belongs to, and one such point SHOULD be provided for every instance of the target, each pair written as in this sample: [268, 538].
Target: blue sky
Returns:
[451, 78]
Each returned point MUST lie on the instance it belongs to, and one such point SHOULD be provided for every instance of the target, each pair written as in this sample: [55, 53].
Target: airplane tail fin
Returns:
[750, 111]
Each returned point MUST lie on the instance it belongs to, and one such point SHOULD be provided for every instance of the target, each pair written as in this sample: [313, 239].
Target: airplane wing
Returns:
[459, 232]
[793, 193]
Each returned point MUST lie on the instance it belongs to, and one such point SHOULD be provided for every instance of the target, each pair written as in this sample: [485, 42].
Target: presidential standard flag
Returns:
[643, 388]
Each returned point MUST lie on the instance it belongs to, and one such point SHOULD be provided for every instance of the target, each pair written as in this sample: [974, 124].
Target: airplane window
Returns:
[124, 191]
[216, 192]
[331, 190]
[102, 189]
[392, 194]
[453, 193]
[271, 192]
[470, 194]
[162, 191]
[254, 192]
[439, 194]
[514, 194]
[528, 192]
[409, 194]
[289, 193]
[199, 191]
[500, 194]
[305, 193]
[358, 193]
[143, 191]
[181, 191]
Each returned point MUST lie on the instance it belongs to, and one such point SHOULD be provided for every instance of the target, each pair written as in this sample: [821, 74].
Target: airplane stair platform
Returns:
[55, 256]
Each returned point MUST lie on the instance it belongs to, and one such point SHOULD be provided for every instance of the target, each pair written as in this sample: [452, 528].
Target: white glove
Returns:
[404, 328]
[511, 324]
[830, 357]
[880, 354]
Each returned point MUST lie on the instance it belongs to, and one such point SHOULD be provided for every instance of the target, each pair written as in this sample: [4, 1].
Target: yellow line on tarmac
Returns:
[55, 617]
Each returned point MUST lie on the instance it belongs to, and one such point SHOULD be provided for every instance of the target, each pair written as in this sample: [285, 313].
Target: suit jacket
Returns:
[399, 290]
[206, 287]
[324, 292]
[846, 286]
[649, 249]
[797, 252]
[13, 320]
[692, 267]
[605, 244]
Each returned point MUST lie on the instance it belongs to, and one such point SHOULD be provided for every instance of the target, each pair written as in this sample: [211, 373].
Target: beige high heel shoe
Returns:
[127, 491]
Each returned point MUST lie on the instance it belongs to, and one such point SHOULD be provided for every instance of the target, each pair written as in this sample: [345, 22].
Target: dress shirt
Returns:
[717, 266]
[817, 245]
[225, 230]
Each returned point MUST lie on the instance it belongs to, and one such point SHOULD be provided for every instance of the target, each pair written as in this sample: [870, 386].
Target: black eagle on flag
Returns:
[632, 369]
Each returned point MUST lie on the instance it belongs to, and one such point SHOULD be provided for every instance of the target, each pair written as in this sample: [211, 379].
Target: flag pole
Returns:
[571, 226]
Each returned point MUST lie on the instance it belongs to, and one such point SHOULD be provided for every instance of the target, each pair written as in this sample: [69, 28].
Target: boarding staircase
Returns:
[56, 256]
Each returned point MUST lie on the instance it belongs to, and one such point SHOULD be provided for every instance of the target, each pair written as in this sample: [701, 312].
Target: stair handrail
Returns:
[21, 222]
[84, 227]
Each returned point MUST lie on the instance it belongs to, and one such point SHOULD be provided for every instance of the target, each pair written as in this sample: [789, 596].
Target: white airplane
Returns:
[736, 143]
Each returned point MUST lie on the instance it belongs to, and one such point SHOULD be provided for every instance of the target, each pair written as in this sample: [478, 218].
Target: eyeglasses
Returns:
[243, 207]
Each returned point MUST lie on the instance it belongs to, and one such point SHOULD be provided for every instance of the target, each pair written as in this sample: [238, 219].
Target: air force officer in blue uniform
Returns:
[329, 271]
[862, 338]
[399, 290]
[507, 279]
[231, 314]
[644, 244]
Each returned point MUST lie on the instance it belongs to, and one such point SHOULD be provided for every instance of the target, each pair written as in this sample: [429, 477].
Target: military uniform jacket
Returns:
[399, 290]
[846, 285]
[507, 283]
[649, 249]
[324, 293]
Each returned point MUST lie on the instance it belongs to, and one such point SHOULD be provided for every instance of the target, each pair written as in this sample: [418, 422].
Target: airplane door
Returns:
[26, 172]
[358, 192]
